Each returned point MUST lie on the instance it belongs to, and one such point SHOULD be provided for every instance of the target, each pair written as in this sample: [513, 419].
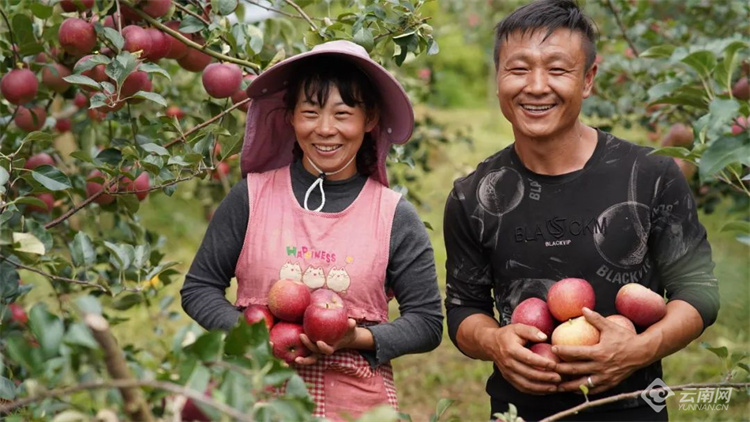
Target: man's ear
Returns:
[588, 80]
[372, 120]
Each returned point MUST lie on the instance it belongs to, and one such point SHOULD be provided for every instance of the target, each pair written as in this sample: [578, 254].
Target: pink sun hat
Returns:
[269, 138]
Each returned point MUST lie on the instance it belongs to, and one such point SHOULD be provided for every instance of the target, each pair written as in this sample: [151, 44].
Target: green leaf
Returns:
[91, 62]
[256, 38]
[740, 226]
[703, 62]
[4, 176]
[8, 282]
[121, 67]
[224, 7]
[7, 389]
[127, 301]
[82, 80]
[142, 255]
[442, 406]
[28, 243]
[41, 11]
[726, 68]
[744, 366]
[51, 178]
[584, 389]
[155, 149]
[151, 96]
[79, 334]
[677, 152]
[658, 51]
[153, 68]
[364, 38]
[119, 255]
[207, 347]
[38, 137]
[296, 387]
[721, 153]
[47, 328]
[82, 250]
[37, 229]
[111, 156]
[721, 352]
[89, 305]
[114, 37]
[191, 25]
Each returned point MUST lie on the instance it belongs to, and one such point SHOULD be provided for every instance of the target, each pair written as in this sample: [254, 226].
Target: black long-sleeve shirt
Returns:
[626, 217]
[410, 274]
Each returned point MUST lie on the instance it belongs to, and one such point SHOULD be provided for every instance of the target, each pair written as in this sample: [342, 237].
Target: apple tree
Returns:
[105, 103]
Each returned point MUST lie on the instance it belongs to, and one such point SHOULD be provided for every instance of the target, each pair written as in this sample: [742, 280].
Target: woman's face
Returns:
[330, 135]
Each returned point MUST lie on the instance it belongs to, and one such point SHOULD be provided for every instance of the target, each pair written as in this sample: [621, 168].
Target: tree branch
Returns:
[95, 385]
[53, 277]
[622, 27]
[271, 9]
[16, 55]
[197, 16]
[117, 367]
[190, 43]
[618, 397]
[78, 207]
[303, 14]
[183, 138]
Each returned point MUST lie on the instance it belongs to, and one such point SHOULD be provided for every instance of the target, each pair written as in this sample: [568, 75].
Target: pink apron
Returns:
[346, 252]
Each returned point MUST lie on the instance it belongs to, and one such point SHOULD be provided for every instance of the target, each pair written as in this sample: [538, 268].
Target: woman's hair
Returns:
[315, 76]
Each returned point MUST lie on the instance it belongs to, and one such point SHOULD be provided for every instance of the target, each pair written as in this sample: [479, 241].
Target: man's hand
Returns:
[527, 371]
[618, 354]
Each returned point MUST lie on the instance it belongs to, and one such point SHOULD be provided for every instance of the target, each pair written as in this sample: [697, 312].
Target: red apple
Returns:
[81, 100]
[140, 187]
[17, 313]
[255, 313]
[623, 321]
[687, 168]
[567, 298]
[30, 119]
[63, 125]
[640, 304]
[222, 169]
[136, 81]
[741, 89]
[156, 8]
[194, 60]
[192, 413]
[286, 342]
[49, 202]
[77, 36]
[575, 332]
[160, 45]
[177, 49]
[241, 93]
[94, 184]
[174, 111]
[76, 5]
[326, 319]
[136, 39]
[288, 300]
[19, 86]
[545, 350]
[679, 135]
[221, 80]
[740, 126]
[37, 160]
[534, 311]
[52, 77]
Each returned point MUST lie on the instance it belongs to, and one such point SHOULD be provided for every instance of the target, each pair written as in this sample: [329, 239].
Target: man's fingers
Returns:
[596, 319]
[574, 385]
[578, 368]
[530, 386]
[573, 353]
[529, 333]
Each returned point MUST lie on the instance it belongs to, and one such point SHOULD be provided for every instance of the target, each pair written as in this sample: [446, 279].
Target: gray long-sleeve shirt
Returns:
[410, 273]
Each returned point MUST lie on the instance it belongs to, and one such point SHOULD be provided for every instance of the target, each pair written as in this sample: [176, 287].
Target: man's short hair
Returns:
[550, 15]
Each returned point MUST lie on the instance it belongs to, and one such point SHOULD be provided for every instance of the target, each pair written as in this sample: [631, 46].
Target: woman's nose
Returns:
[326, 126]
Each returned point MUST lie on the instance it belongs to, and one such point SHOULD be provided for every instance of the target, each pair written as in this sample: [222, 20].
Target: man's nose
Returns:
[537, 81]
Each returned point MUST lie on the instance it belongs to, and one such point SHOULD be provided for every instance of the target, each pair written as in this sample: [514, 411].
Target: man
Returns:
[568, 200]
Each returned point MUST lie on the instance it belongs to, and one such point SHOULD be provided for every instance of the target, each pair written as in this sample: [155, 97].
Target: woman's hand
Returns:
[350, 340]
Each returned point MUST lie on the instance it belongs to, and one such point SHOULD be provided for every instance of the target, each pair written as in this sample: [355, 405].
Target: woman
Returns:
[315, 206]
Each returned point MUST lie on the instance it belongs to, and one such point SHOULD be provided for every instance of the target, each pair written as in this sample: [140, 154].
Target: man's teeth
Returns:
[327, 148]
[537, 108]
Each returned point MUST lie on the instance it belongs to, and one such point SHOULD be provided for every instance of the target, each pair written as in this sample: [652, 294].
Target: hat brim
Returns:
[396, 115]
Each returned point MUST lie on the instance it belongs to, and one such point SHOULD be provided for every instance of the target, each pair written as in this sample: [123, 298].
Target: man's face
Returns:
[541, 83]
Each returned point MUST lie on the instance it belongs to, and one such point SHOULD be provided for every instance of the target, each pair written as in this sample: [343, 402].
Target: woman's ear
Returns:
[372, 120]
